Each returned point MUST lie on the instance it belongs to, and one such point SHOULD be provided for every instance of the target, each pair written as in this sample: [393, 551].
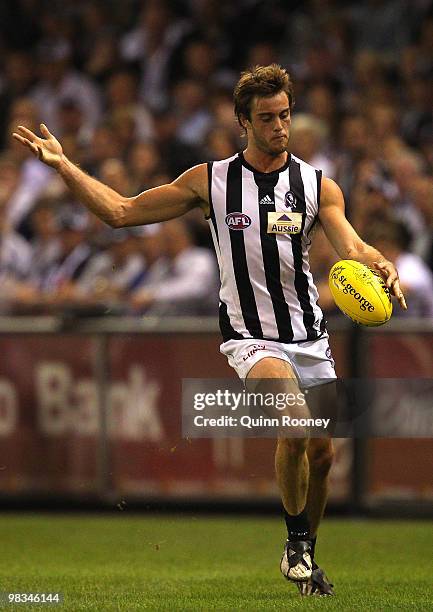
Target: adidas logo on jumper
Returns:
[266, 200]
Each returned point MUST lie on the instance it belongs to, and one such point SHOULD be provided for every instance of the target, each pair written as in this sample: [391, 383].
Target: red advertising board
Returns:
[50, 420]
[400, 468]
[48, 424]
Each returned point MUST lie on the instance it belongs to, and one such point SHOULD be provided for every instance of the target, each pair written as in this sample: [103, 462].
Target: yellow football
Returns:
[360, 293]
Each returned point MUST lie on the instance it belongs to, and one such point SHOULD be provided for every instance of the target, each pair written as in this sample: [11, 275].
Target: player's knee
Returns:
[294, 446]
[320, 459]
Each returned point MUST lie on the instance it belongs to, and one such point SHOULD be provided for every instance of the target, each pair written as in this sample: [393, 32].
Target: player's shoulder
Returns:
[305, 165]
[194, 179]
[220, 164]
[206, 169]
[330, 192]
[194, 173]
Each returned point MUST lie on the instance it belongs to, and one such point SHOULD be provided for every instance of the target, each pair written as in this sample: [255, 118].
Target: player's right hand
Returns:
[47, 149]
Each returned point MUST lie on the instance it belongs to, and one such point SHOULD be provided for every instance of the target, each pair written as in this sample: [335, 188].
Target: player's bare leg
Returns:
[291, 461]
[320, 454]
[293, 476]
[323, 401]
[292, 472]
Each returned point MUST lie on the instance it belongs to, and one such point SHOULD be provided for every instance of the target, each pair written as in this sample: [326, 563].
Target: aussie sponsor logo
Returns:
[284, 223]
[238, 221]
[253, 350]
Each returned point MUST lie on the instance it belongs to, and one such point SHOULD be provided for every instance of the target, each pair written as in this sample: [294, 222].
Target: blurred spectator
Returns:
[372, 197]
[122, 99]
[23, 111]
[199, 62]
[104, 145]
[76, 135]
[152, 43]
[211, 21]
[60, 82]
[97, 46]
[383, 121]
[371, 84]
[18, 79]
[422, 193]
[108, 275]
[15, 252]
[59, 283]
[307, 138]
[221, 105]
[381, 25]
[220, 144]
[262, 54]
[114, 173]
[151, 245]
[45, 242]
[190, 285]
[32, 179]
[354, 139]
[406, 167]
[177, 155]
[322, 102]
[193, 116]
[416, 278]
[417, 119]
[144, 162]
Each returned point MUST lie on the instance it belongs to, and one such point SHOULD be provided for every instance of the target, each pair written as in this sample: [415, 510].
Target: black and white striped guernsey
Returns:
[260, 224]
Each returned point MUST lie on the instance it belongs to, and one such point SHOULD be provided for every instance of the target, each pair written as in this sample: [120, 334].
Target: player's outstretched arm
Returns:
[151, 206]
[346, 241]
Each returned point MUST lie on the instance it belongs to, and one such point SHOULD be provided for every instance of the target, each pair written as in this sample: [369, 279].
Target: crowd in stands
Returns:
[137, 92]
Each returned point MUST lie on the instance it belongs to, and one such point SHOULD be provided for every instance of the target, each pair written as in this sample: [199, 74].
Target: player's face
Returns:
[270, 123]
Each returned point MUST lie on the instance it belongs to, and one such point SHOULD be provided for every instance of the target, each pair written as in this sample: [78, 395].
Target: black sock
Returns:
[298, 527]
[313, 546]
[313, 550]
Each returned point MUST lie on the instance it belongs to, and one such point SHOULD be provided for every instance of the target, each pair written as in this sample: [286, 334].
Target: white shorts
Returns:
[311, 361]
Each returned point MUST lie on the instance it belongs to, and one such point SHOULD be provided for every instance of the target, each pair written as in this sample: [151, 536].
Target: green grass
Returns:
[183, 563]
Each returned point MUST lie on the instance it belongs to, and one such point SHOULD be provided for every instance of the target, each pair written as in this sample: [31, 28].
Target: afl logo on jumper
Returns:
[238, 221]
[290, 200]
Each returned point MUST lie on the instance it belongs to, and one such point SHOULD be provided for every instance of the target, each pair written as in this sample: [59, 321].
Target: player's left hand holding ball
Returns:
[47, 149]
[390, 276]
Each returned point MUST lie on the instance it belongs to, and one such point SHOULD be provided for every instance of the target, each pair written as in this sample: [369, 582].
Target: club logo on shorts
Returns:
[328, 354]
[238, 221]
[290, 200]
[284, 223]
[253, 350]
